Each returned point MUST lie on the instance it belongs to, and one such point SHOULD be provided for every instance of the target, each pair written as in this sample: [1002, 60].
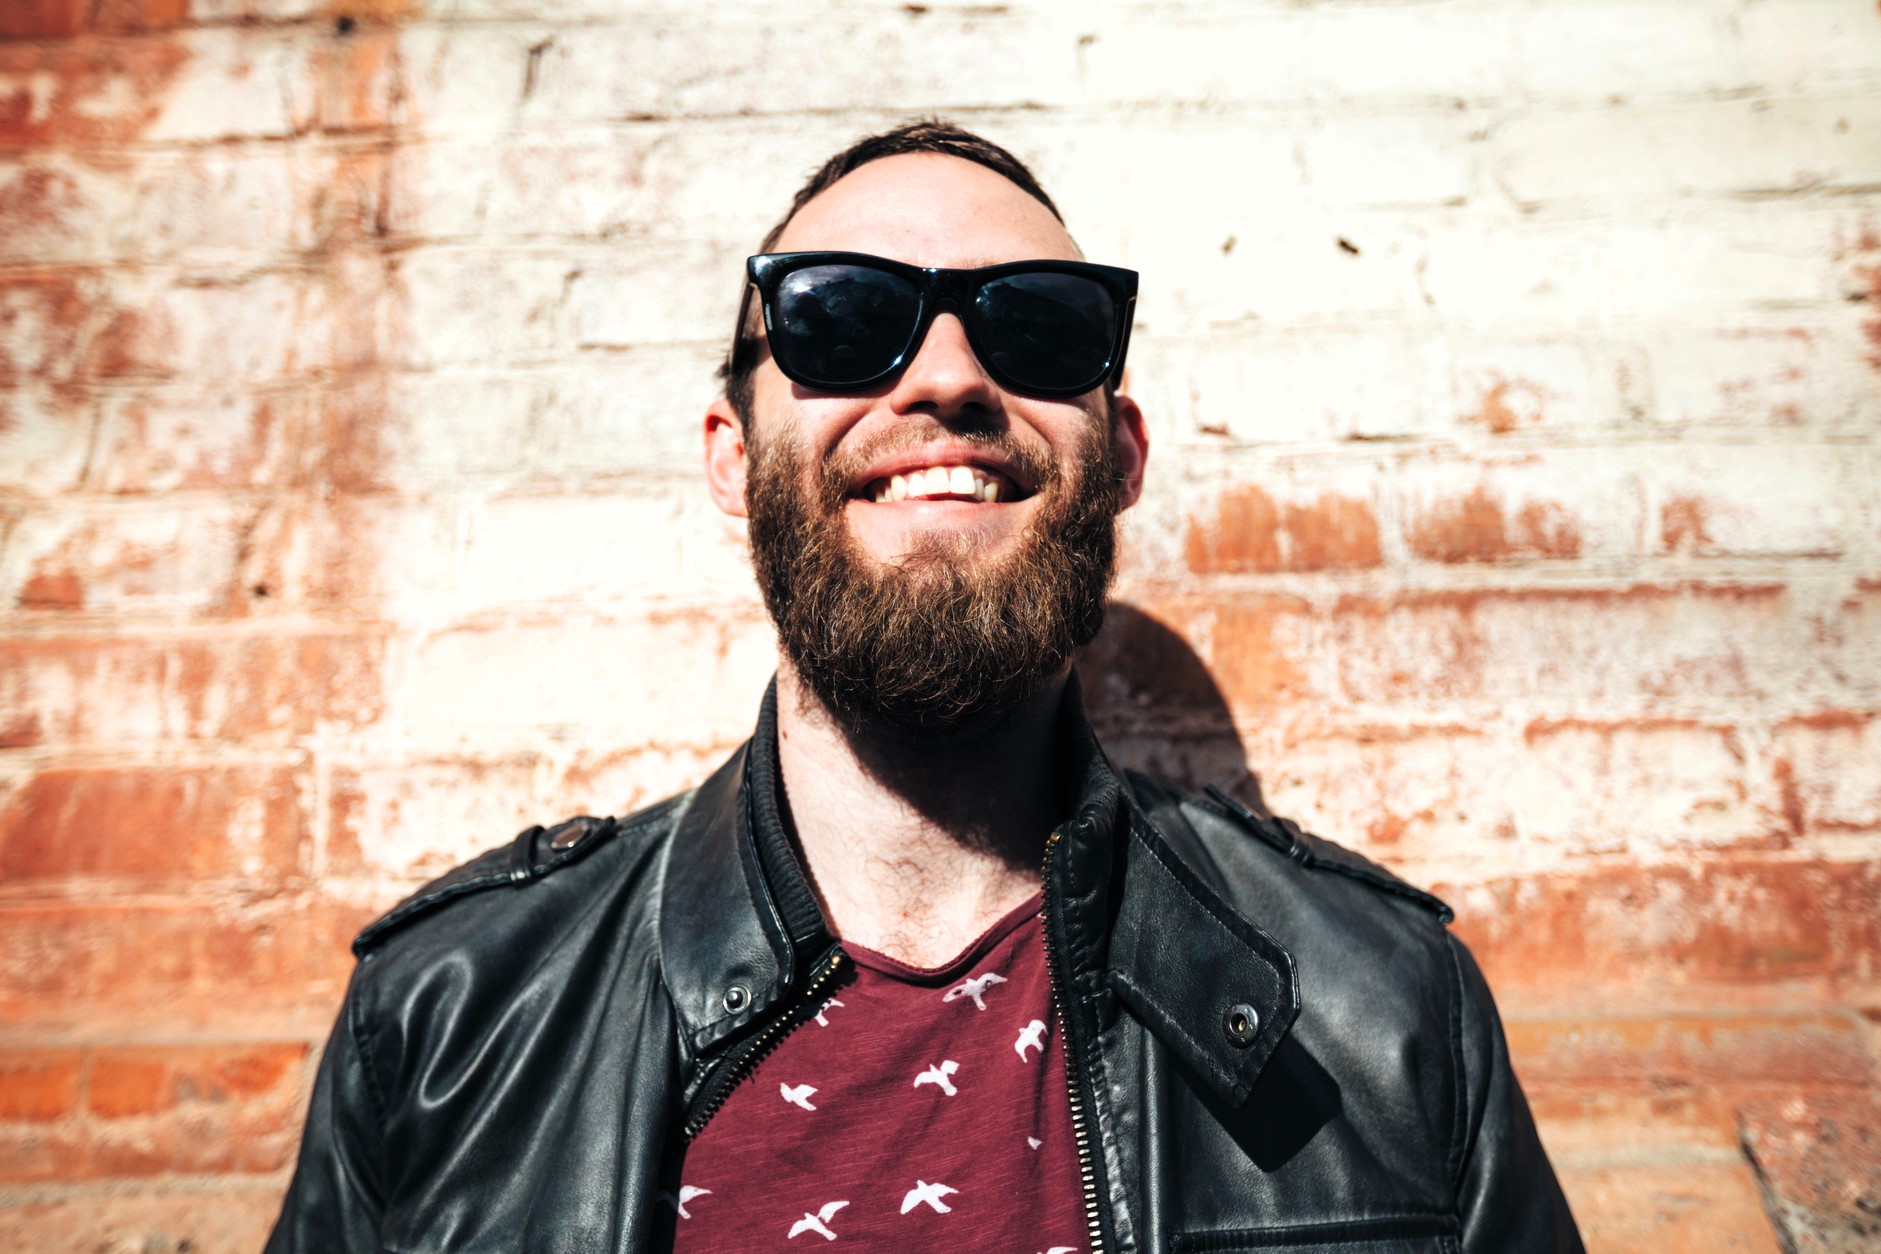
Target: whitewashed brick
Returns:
[128, 560]
[1577, 503]
[599, 681]
[1714, 148]
[43, 441]
[1398, 161]
[230, 205]
[166, 438]
[661, 294]
[1300, 386]
[239, 83]
[1777, 375]
[1428, 52]
[585, 421]
[1756, 500]
[518, 554]
[56, 210]
[1632, 789]
[1597, 49]
[463, 306]
[1810, 45]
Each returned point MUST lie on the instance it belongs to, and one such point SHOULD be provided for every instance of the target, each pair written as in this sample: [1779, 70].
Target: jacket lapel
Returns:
[737, 918]
[1219, 992]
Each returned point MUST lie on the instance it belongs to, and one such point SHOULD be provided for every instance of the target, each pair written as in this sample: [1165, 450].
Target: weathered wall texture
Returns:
[1514, 372]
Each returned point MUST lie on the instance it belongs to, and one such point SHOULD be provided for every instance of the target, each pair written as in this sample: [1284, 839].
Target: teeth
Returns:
[938, 481]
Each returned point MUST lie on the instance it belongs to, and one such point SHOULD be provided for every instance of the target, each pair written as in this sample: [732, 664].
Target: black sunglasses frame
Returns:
[946, 291]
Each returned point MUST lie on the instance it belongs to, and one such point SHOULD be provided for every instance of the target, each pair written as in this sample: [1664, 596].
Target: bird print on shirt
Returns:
[817, 1223]
[929, 1193]
[821, 1022]
[1032, 1034]
[686, 1193]
[798, 1094]
[940, 1075]
[975, 988]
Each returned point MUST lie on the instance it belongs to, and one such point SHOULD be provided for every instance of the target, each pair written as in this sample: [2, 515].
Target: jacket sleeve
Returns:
[1507, 1196]
[335, 1200]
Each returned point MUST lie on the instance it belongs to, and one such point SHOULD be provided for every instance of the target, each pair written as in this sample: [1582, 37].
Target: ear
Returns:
[725, 457]
[1132, 449]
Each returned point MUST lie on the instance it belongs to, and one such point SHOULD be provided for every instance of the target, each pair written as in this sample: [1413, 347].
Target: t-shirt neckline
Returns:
[896, 969]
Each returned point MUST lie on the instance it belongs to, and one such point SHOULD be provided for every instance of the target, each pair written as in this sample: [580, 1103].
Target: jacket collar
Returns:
[739, 927]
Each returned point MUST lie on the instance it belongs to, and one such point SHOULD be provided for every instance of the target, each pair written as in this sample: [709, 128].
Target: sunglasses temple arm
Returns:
[1123, 345]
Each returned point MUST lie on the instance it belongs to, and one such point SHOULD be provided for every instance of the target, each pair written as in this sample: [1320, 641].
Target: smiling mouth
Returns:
[943, 483]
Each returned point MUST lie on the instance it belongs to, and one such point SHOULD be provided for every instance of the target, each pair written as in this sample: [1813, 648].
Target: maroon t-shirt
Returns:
[918, 1110]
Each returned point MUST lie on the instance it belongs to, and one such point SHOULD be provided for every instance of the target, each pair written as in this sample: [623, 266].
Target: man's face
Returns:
[941, 607]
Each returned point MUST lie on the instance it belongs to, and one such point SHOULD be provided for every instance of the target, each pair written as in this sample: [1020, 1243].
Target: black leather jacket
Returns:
[1270, 1042]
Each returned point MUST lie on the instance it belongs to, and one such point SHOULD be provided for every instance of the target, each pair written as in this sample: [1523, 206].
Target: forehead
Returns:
[930, 210]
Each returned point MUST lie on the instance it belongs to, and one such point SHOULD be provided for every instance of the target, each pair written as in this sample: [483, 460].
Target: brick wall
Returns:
[1514, 375]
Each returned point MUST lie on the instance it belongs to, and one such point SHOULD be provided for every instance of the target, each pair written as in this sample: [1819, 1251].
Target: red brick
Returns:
[280, 960]
[259, 687]
[1736, 921]
[42, 19]
[1819, 1162]
[37, 1085]
[1657, 1053]
[83, 94]
[1671, 1208]
[420, 818]
[1251, 532]
[42, 327]
[198, 823]
[1579, 1123]
[150, 442]
[1828, 769]
[1248, 644]
[181, 559]
[1478, 527]
[148, 1080]
[233, 1218]
[1643, 643]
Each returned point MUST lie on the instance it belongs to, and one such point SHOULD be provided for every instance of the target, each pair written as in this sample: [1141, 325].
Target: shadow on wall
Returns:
[1158, 710]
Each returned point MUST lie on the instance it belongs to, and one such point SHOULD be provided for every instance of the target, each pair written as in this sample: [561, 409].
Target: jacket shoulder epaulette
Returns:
[1314, 853]
[533, 853]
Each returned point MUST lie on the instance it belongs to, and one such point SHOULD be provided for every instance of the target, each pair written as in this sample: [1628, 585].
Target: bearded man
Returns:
[917, 967]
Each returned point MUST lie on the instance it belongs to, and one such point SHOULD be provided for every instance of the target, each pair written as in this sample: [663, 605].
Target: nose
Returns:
[945, 378]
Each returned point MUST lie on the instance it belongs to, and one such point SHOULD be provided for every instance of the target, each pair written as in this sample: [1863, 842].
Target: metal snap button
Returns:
[737, 997]
[1242, 1023]
[570, 834]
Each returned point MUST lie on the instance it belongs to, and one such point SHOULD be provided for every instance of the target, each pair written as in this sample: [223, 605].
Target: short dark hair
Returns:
[923, 135]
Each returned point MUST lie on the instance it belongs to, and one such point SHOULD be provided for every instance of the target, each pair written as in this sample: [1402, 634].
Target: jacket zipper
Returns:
[765, 1041]
[1074, 1063]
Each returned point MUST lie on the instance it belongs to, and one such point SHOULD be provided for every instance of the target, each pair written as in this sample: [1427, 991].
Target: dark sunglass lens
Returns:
[1045, 330]
[842, 324]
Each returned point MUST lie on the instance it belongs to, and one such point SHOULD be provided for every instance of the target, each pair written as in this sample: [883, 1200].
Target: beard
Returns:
[942, 638]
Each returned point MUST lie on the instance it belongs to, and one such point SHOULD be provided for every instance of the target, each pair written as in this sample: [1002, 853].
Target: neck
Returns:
[916, 843]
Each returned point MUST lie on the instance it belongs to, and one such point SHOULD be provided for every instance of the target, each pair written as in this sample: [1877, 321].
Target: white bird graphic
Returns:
[929, 1193]
[686, 1193]
[798, 1095]
[1033, 1141]
[1062, 1249]
[816, 1223]
[1032, 1034]
[975, 988]
[821, 1022]
[938, 1075]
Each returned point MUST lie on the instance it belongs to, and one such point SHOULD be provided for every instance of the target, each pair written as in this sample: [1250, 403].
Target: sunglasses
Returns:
[845, 322]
